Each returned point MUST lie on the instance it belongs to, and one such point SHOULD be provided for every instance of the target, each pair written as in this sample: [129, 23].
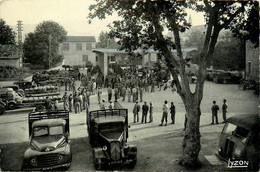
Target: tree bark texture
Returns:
[191, 141]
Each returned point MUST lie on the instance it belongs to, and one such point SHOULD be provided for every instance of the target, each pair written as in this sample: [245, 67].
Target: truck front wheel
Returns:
[98, 164]
[2, 109]
[11, 106]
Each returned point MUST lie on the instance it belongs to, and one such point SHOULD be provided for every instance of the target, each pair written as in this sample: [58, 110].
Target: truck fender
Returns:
[99, 153]
[132, 149]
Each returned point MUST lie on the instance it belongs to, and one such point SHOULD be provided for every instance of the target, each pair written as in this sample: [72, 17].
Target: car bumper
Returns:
[46, 168]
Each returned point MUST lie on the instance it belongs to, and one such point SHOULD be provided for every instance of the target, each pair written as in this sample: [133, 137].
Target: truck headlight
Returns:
[60, 157]
[104, 148]
[33, 160]
[238, 152]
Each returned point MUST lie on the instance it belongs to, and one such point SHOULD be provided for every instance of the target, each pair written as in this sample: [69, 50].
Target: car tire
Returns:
[2, 109]
[11, 106]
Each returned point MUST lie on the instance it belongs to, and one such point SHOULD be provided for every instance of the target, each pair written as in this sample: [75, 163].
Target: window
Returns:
[249, 67]
[78, 47]
[66, 47]
[96, 58]
[88, 47]
[112, 58]
[229, 128]
[40, 131]
[85, 58]
[57, 130]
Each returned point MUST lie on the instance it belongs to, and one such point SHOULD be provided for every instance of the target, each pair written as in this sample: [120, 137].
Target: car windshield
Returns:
[235, 130]
[56, 130]
[44, 131]
[111, 127]
[40, 131]
[229, 128]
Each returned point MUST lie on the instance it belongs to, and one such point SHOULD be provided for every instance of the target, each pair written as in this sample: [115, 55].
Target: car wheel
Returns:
[2, 109]
[11, 106]
[98, 164]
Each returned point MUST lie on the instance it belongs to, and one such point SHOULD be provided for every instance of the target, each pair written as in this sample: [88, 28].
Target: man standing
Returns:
[48, 103]
[224, 110]
[109, 91]
[129, 94]
[123, 92]
[165, 113]
[151, 112]
[136, 111]
[70, 102]
[77, 103]
[99, 92]
[65, 101]
[172, 109]
[111, 105]
[141, 90]
[102, 105]
[145, 109]
[214, 109]
[116, 94]
[134, 94]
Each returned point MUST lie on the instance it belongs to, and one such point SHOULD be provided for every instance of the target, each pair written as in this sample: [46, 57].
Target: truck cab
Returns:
[49, 144]
[108, 133]
[239, 140]
[11, 98]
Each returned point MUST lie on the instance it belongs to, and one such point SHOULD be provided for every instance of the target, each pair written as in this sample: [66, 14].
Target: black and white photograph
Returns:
[129, 85]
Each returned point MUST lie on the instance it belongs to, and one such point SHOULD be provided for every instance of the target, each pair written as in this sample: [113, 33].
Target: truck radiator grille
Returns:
[229, 148]
[115, 150]
[47, 160]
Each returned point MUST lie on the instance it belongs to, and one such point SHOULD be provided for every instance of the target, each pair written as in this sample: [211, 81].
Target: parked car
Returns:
[239, 140]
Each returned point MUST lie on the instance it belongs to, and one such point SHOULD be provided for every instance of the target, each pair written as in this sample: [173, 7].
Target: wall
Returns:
[74, 57]
[252, 55]
[14, 62]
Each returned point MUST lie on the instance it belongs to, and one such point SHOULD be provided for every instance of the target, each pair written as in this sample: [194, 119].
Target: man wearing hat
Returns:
[136, 112]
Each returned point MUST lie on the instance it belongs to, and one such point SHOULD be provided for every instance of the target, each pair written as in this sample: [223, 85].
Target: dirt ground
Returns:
[158, 153]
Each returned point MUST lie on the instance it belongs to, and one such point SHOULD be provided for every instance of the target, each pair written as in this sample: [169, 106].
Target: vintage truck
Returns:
[49, 143]
[108, 133]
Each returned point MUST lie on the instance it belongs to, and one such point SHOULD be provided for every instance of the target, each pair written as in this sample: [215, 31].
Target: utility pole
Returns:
[50, 59]
[20, 46]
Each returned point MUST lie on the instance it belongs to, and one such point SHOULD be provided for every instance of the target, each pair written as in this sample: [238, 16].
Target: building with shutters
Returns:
[77, 50]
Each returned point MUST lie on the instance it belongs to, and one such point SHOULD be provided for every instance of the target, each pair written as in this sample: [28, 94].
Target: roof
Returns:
[247, 121]
[80, 39]
[49, 122]
[109, 119]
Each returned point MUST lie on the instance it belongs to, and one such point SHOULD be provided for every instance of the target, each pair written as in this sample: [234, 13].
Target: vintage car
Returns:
[108, 133]
[49, 145]
[239, 140]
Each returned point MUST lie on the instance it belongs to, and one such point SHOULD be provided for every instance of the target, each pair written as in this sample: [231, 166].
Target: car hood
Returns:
[47, 143]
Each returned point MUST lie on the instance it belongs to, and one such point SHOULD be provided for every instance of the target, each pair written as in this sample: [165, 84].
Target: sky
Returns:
[71, 14]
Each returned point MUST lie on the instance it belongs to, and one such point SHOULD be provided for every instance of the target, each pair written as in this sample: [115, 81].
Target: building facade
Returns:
[252, 62]
[77, 50]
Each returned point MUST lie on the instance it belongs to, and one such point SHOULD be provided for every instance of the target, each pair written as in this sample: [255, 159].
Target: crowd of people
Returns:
[130, 87]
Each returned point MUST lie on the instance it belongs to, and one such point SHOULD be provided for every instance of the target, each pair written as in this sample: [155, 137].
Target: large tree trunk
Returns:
[191, 141]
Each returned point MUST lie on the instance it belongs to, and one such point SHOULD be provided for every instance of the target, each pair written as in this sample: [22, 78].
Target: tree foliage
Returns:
[7, 40]
[104, 40]
[142, 26]
[44, 42]
[7, 35]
